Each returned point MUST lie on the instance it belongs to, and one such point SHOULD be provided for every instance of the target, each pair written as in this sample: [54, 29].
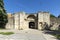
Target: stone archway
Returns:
[32, 21]
[32, 25]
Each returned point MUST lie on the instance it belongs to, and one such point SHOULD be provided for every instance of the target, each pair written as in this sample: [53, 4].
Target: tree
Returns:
[59, 16]
[51, 15]
[3, 15]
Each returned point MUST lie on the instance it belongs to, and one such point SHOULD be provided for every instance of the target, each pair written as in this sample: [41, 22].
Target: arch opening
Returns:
[31, 16]
[32, 25]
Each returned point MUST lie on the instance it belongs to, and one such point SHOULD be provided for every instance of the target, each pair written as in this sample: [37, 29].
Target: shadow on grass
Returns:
[53, 32]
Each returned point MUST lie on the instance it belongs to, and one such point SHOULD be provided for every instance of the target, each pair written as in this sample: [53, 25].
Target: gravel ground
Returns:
[23, 35]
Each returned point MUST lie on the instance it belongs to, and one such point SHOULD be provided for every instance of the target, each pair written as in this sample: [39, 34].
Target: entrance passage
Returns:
[32, 25]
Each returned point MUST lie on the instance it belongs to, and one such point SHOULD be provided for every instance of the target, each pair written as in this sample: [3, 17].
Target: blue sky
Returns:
[32, 6]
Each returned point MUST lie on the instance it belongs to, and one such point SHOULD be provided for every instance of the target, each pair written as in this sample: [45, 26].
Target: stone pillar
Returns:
[16, 20]
[40, 20]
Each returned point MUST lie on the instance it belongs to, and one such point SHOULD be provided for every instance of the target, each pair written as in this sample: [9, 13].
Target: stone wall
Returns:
[10, 24]
[23, 22]
[20, 20]
[55, 22]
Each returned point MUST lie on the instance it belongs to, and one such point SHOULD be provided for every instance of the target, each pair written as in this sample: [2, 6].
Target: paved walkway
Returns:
[24, 35]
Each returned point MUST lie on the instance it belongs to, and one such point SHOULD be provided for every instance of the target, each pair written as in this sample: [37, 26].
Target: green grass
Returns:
[1, 29]
[6, 33]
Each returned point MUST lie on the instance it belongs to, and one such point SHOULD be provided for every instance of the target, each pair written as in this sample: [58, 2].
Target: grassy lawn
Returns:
[6, 33]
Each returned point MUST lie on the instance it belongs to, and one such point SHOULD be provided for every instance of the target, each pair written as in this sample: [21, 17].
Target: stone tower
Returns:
[43, 17]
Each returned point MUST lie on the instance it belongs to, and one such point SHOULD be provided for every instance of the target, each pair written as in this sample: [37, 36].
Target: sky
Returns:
[32, 6]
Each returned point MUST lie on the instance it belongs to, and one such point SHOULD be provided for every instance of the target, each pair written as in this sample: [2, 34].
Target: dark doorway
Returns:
[32, 25]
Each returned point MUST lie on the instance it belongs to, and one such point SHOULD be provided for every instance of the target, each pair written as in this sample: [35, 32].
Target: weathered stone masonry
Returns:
[22, 20]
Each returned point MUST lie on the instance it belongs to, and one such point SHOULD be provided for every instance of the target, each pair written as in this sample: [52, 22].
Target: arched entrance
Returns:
[32, 25]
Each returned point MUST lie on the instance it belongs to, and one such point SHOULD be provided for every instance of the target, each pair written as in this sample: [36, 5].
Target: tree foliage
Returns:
[59, 16]
[3, 15]
[51, 15]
